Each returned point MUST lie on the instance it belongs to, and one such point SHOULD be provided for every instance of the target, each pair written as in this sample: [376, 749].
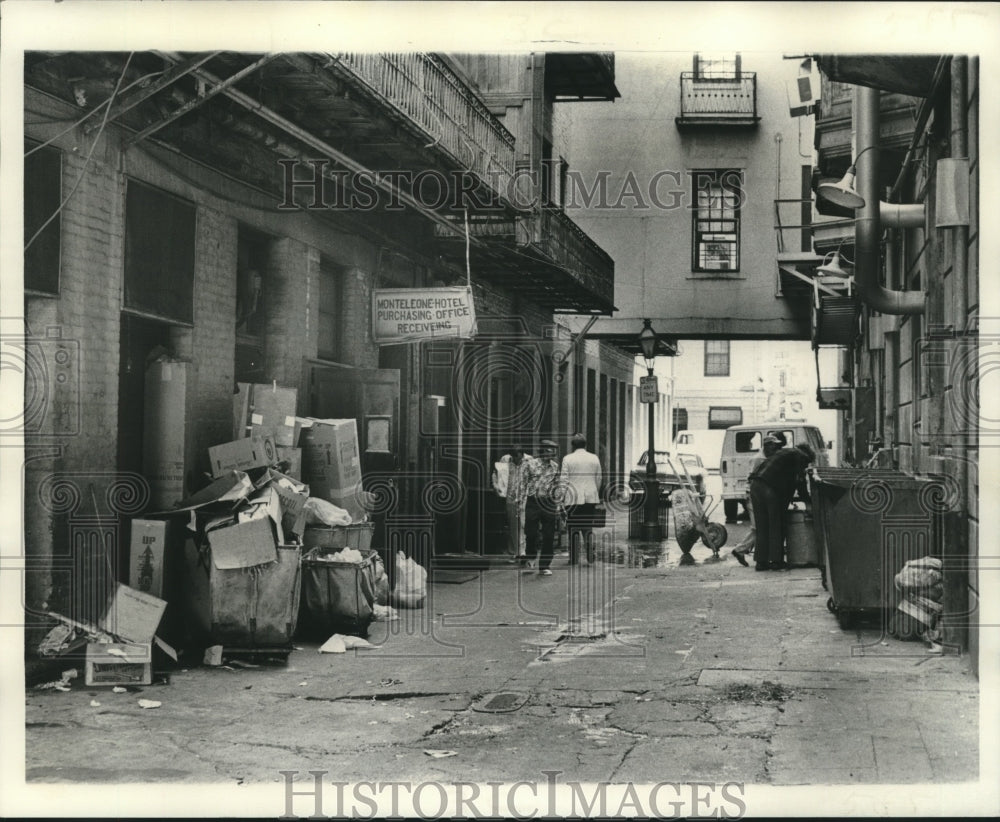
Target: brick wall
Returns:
[210, 391]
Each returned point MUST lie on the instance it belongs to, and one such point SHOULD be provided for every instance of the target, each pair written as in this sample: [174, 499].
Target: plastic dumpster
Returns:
[870, 522]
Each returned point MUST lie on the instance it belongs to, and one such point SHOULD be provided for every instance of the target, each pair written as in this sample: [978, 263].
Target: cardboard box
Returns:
[242, 455]
[164, 406]
[132, 615]
[331, 463]
[146, 551]
[294, 458]
[263, 410]
[243, 544]
[119, 663]
[292, 496]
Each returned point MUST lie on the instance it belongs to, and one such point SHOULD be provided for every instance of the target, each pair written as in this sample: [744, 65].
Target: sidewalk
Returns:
[638, 668]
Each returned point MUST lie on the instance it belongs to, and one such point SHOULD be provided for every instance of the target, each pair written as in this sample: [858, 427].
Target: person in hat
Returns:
[581, 478]
[770, 445]
[771, 490]
[541, 513]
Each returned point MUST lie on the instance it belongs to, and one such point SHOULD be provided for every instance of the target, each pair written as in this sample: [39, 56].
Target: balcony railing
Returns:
[552, 239]
[564, 242]
[718, 98]
[430, 95]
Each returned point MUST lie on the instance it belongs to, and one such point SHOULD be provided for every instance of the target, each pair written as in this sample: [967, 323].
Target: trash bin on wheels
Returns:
[870, 523]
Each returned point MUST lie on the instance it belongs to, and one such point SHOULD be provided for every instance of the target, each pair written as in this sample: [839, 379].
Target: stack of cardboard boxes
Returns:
[225, 562]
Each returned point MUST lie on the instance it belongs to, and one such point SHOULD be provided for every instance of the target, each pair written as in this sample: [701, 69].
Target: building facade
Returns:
[908, 391]
[682, 183]
[233, 215]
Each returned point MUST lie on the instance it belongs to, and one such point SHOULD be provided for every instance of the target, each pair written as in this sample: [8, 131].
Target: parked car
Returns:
[671, 480]
[742, 445]
[705, 442]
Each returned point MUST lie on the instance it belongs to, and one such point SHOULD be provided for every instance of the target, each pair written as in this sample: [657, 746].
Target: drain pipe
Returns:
[868, 225]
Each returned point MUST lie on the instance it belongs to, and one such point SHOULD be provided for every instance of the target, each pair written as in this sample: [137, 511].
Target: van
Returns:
[706, 443]
[742, 445]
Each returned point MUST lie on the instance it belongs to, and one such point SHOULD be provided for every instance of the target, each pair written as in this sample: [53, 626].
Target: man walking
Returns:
[581, 477]
[541, 508]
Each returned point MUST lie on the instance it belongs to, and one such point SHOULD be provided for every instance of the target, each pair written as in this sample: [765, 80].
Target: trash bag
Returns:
[381, 583]
[920, 576]
[320, 512]
[411, 583]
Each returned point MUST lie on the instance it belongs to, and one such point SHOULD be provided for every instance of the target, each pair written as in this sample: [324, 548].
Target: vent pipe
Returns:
[868, 225]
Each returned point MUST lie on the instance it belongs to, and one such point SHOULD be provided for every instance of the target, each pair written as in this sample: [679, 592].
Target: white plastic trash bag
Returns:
[381, 583]
[321, 512]
[411, 583]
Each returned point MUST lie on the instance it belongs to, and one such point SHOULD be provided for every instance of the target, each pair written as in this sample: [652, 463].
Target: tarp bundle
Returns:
[918, 612]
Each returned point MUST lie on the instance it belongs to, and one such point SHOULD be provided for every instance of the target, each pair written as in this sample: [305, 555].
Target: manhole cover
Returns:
[500, 703]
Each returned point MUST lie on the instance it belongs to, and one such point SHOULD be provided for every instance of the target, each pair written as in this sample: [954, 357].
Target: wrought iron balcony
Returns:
[544, 256]
[718, 99]
[422, 89]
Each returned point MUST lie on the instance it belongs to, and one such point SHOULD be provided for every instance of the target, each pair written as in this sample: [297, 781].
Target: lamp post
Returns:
[651, 524]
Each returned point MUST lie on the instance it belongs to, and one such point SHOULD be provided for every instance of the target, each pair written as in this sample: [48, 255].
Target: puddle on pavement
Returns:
[666, 555]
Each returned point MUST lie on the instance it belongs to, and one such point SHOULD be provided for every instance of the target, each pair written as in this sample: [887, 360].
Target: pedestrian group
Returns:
[540, 494]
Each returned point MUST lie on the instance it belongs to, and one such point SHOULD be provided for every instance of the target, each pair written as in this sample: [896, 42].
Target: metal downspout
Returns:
[956, 597]
[868, 227]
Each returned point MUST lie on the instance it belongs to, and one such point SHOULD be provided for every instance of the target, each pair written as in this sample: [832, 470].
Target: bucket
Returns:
[801, 546]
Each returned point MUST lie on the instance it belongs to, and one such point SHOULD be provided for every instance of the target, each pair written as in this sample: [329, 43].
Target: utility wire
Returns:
[83, 171]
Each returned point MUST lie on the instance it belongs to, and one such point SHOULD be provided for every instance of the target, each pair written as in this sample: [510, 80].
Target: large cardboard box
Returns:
[242, 455]
[164, 406]
[331, 464]
[147, 547]
[263, 410]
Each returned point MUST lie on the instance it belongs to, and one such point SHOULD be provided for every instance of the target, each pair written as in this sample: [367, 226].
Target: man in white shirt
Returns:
[509, 483]
[581, 478]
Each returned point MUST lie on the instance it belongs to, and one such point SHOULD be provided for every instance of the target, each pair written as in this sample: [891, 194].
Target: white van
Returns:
[706, 443]
[741, 446]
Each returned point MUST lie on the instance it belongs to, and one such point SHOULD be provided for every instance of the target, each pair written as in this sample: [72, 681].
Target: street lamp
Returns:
[651, 525]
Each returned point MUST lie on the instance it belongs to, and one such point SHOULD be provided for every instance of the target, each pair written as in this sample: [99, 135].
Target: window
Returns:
[723, 417]
[159, 253]
[331, 312]
[680, 422]
[717, 197]
[747, 441]
[716, 358]
[716, 66]
[42, 197]
[253, 251]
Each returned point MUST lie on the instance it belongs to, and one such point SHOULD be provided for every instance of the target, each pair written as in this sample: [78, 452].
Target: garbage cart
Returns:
[870, 523]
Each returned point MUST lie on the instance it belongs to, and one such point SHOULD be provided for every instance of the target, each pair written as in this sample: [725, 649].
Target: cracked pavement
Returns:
[705, 671]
